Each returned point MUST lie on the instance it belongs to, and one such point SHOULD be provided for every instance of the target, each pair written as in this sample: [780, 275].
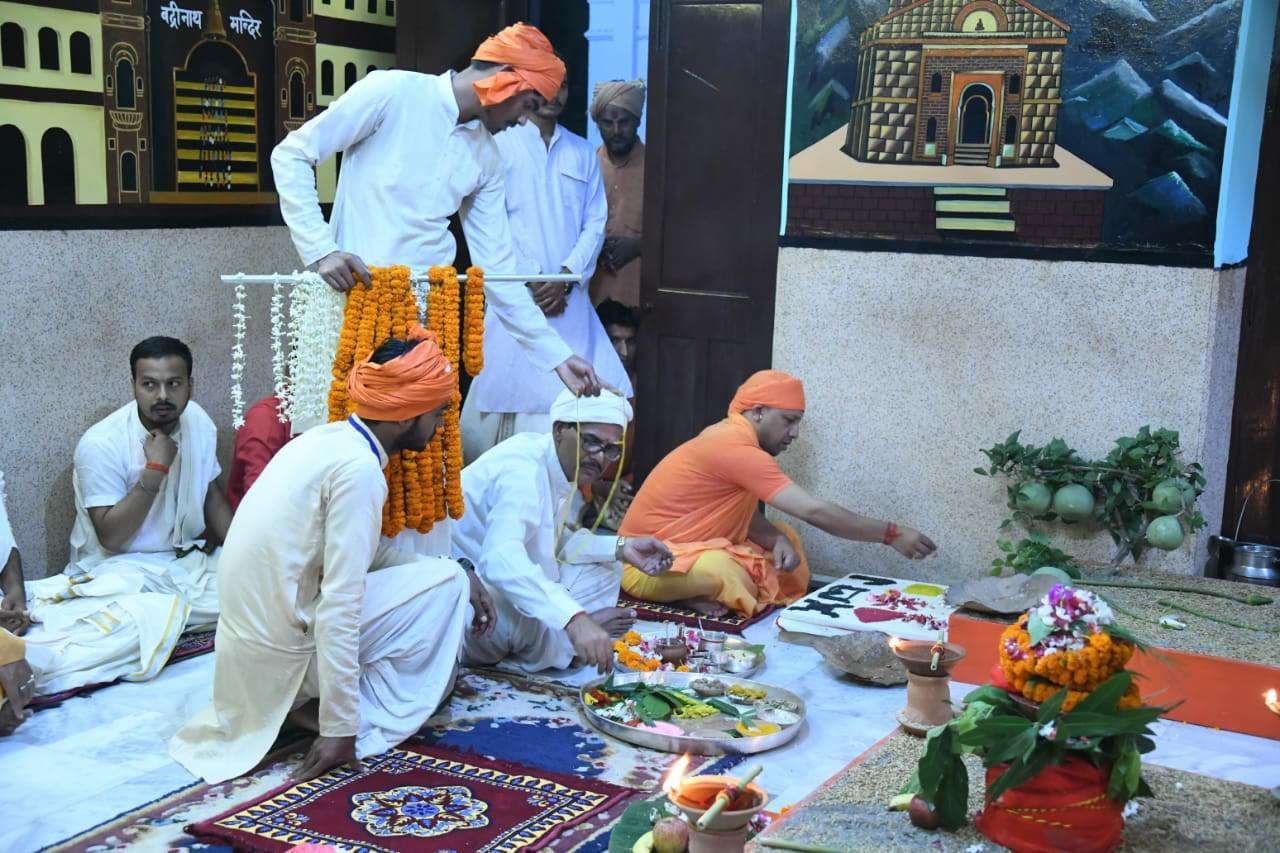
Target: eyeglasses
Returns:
[591, 446]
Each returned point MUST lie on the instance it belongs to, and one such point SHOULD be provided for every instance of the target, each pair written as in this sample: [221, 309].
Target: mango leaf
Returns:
[932, 769]
[1125, 774]
[952, 799]
[1051, 706]
[995, 730]
[1016, 749]
[989, 695]
[1107, 695]
[1037, 629]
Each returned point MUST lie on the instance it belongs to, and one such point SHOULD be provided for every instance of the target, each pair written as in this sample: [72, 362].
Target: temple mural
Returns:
[173, 102]
[1090, 123]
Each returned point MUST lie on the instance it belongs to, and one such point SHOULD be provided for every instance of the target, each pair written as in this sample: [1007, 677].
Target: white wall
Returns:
[912, 363]
[618, 48]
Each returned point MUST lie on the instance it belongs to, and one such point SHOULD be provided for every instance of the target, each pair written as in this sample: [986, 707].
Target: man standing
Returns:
[417, 149]
[149, 514]
[358, 640]
[555, 587]
[556, 203]
[616, 108]
[703, 501]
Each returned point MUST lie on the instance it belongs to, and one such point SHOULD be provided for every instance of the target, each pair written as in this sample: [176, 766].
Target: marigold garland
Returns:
[473, 323]
[426, 487]
[1037, 677]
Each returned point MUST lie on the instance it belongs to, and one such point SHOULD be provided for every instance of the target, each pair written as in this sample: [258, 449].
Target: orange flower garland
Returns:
[473, 323]
[426, 487]
[1080, 671]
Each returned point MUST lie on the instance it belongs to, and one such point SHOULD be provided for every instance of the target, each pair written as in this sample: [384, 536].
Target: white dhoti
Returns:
[412, 625]
[532, 644]
[121, 620]
[483, 430]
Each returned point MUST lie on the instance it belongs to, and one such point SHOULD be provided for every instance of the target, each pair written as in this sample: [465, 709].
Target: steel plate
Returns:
[704, 744]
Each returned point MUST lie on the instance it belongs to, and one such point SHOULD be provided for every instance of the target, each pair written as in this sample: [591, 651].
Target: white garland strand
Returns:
[237, 357]
[315, 324]
[278, 352]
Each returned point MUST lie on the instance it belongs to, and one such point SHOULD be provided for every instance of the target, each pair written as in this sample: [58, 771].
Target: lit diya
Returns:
[717, 809]
[1269, 698]
[929, 668]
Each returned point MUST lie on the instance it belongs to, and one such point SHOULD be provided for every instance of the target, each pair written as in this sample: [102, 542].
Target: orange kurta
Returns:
[702, 498]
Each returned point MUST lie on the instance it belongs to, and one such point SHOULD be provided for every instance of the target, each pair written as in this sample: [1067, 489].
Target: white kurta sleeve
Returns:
[582, 258]
[488, 233]
[347, 120]
[353, 521]
[583, 546]
[513, 522]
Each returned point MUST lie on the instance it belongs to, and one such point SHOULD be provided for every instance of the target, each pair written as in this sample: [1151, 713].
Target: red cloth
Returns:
[257, 441]
[414, 798]
[1063, 808]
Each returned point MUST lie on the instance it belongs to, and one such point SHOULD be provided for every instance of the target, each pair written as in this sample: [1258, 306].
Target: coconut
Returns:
[670, 835]
[1073, 502]
[1164, 533]
[1033, 498]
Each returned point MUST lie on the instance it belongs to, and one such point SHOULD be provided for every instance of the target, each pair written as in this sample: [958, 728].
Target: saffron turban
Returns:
[534, 65]
[771, 388]
[619, 93]
[607, 408]
[420, 381]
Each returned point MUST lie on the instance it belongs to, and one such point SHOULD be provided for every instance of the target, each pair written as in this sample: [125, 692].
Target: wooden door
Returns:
[713, 190]
[1255, 428]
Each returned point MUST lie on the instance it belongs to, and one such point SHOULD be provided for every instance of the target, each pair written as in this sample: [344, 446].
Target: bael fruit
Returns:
[1033, 498]
[1164, 533]
[1073, 502]
[1172, 495]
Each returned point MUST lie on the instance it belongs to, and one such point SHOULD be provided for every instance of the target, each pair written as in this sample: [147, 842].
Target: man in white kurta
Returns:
[148, 513]
[554, 586]
[418, 148]
[315, 610]
[556, 202]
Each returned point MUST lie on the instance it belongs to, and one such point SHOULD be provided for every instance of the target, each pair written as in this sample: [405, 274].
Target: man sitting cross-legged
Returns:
[555, 588]
[148, 517]
[703, 500]
[357, 639]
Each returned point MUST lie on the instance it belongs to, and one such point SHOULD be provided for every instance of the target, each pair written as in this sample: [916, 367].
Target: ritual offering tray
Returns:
[687, 650]
[684, 712]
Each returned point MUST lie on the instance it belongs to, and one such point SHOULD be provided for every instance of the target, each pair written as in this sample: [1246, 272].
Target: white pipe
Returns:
[416, 278]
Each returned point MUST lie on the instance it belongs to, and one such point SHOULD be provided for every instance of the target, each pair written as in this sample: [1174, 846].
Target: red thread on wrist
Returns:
[156, 466]
[891, 533]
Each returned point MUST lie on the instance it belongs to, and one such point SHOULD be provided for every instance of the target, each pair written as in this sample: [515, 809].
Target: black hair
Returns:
[392, 348]
[159, 347]
[614, 313]
[482, 65]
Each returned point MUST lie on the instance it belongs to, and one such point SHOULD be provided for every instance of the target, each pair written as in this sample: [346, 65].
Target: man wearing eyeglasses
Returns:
[554, 585]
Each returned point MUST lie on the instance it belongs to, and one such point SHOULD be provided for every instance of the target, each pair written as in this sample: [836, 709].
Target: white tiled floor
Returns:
[75, 766]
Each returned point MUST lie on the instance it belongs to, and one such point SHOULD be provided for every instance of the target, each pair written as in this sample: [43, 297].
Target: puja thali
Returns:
[701, 714]
[700, 652]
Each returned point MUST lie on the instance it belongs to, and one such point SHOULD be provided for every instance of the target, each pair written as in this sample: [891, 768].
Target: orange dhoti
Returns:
[741, 577]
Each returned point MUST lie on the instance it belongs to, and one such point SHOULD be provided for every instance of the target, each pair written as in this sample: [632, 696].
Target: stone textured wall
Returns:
[74, 305]
[912, 363]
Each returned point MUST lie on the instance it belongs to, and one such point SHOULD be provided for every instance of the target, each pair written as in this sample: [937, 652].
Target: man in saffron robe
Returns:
[418, 148]
[616, 107]
[322, 622]
[703, 498]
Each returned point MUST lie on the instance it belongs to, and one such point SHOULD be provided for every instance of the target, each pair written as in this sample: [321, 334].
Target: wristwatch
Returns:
[622, 543]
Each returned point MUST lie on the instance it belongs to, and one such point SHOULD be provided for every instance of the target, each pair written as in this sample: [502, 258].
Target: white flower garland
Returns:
[237, 357]
[315, 324]
[278, 351]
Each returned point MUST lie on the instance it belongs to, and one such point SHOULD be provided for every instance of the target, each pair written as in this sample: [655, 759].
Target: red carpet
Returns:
[416, 798]
[653, 612]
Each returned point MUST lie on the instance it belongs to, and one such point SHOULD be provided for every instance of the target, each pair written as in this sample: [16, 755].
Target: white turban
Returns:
[607, 408]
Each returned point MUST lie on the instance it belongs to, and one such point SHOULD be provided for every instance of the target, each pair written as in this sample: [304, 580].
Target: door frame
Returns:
[960, 83]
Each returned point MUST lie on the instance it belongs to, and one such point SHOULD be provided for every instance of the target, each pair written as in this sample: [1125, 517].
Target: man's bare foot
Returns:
[615, 620]
[706, 606]
[306, 716]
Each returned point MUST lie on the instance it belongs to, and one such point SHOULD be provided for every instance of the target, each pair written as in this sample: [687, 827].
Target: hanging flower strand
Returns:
[278, 373]
[473, 323]
[239, 324]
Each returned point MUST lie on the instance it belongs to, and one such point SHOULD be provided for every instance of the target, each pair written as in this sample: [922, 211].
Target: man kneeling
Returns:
[703, 500]
[358, 640]
[555, 589]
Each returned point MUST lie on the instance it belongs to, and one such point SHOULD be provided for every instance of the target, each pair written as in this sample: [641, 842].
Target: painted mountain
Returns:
[1146, 85]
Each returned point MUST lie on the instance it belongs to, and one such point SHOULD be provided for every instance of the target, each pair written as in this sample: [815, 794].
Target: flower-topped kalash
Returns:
[1060, 730]
[1069, 640]
[637, 653]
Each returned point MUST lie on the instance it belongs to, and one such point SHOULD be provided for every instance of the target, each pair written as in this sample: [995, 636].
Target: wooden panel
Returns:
[717, 92]
[1255, 430]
